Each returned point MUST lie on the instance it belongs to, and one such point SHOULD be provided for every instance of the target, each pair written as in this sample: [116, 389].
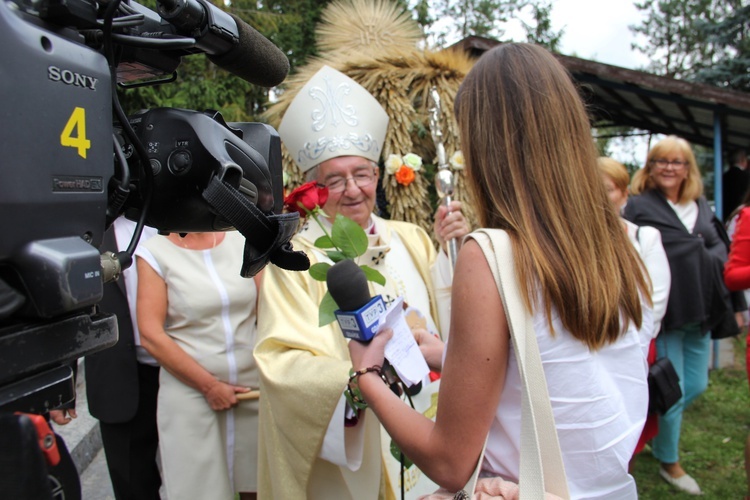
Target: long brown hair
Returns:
[531, 166]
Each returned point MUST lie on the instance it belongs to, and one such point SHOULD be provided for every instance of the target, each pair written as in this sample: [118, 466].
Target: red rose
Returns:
[308, 196]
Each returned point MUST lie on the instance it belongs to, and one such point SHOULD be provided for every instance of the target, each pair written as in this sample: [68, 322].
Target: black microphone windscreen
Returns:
[347, 284]
[254, 59]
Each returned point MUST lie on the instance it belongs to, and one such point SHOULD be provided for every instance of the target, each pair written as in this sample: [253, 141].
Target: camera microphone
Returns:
[254, 59]
[229, 42]
[358, 314]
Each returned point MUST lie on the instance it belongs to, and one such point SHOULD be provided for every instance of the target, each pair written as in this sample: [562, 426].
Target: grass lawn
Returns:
[714, 430]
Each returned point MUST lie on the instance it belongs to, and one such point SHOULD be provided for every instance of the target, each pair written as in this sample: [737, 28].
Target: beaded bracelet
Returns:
[353, 394]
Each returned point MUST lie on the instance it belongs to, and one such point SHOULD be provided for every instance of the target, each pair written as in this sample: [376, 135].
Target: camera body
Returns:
[70, 166]
[57, 150]
[181, 144]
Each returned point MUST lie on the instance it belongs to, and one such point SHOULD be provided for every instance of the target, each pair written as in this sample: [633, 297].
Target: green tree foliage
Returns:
[697, 40]
[540, 32]
[487, 18]
[731, 64]
[671, 43]
[421, 11]
[200, 85]
[293, 29]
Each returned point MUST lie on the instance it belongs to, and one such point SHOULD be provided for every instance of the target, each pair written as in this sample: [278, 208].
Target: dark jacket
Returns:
[112, 374]
[735, 182]
[696, 260]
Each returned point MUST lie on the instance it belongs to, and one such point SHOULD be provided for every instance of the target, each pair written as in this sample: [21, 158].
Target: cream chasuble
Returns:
[304, 368]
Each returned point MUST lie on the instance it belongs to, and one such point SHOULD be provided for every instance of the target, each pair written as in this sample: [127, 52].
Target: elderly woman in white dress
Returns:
[197, 317]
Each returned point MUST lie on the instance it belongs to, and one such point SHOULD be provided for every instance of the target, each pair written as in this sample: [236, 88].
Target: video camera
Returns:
[72, 162]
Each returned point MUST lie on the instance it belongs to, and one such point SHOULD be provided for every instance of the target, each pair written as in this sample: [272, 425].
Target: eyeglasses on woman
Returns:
[662, 163]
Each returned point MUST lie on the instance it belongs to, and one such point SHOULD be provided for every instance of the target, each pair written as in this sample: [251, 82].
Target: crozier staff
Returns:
[444, 182]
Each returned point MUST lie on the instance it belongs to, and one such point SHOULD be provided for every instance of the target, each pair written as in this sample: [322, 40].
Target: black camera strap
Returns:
[270, 234]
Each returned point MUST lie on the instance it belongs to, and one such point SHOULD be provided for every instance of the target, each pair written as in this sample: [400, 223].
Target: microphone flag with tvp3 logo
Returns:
[358, 314]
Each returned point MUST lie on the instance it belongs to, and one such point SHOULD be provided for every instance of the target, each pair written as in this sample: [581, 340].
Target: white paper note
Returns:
[402, 350]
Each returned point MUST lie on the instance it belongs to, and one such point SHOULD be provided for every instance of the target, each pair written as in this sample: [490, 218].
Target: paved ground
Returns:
[95, 484]
[84, 442]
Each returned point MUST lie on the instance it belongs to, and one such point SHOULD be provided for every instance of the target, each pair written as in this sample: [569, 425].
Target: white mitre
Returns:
[331, 116]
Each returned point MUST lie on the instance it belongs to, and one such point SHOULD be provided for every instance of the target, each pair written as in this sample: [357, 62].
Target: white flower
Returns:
[413, 161]
[392, 164]
[457, 160]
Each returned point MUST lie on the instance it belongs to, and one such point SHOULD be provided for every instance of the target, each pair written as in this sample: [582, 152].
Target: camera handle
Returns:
[270, 234]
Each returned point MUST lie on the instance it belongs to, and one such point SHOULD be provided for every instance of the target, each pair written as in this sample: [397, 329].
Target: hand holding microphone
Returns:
[371, 353]
[361, 316]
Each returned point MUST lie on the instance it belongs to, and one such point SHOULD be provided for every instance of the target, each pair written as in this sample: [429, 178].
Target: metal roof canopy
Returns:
[702, 114]
[619, 96]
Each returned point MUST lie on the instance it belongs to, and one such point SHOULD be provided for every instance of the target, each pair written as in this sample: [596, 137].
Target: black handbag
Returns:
[663, 386]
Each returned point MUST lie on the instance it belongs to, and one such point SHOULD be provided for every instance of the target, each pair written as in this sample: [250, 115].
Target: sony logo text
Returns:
[71, 78]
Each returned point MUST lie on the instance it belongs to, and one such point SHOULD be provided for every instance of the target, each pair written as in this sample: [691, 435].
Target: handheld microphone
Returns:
[229, 42]
[358, 314]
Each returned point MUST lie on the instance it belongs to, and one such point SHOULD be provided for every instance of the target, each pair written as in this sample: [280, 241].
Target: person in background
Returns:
[647, 241]
[669, 198]
[735, 183]
[312, 443]
[737, 277]
[616, 180]
[197, 317]
[531, 168]
[122, 383]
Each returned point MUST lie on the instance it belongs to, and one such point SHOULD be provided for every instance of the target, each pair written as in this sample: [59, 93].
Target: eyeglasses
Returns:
[338, 183]
[662, 163]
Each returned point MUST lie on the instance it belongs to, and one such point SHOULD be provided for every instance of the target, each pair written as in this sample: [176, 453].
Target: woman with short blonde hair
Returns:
[668, 190]
[692, 187]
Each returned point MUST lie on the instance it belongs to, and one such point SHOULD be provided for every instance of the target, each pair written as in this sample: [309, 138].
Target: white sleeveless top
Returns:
[599, 400]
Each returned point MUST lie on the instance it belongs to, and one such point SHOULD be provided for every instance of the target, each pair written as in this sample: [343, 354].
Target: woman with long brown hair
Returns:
[531, 166]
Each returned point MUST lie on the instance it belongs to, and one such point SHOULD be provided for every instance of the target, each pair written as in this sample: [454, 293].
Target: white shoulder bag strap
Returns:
[539, 472]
